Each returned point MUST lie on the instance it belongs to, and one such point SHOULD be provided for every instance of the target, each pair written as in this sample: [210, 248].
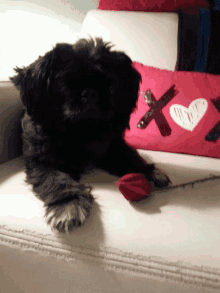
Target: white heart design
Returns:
[188, 118]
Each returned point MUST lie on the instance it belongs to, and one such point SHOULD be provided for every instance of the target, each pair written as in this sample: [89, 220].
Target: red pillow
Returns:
[179, 113]
[152, 5]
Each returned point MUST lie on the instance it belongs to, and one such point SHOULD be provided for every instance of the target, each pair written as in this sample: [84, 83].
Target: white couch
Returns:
[168, 243]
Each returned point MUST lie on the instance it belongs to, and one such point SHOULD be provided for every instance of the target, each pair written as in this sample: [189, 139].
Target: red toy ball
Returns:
[134, 186]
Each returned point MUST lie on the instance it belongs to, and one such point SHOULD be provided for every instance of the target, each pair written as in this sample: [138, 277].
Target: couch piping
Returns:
[111, 260]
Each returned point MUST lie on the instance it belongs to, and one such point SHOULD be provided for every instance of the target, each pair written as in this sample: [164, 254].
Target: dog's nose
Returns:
[89, 94]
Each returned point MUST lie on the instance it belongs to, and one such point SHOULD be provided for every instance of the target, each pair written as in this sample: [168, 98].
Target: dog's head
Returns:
[84, 81]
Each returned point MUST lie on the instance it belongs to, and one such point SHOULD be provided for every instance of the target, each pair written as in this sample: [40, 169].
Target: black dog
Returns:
[78, 101]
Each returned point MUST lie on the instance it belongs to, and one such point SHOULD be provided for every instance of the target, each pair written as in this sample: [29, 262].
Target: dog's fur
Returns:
[78, 101]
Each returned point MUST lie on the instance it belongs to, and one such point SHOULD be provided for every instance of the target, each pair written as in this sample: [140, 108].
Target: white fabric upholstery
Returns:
[171, 238]
[10, 114]
[149, 38]
[167, 243]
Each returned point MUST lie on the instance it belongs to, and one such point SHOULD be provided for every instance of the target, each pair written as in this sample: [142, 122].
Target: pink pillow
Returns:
[183, 113]
[152, 5]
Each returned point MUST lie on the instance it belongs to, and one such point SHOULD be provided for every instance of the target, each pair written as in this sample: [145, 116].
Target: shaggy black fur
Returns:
[78, 101]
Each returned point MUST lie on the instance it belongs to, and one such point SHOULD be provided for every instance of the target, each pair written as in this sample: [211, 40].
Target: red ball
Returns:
[134, 186]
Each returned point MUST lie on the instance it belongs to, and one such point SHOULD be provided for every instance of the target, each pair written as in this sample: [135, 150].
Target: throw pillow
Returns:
[177, 112]
[152, 5]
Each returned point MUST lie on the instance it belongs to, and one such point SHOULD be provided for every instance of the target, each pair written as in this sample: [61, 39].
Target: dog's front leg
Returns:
[67, 202]
[120, 159]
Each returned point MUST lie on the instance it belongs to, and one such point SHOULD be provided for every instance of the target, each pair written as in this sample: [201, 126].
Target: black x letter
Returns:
[214, 134]
[155, 111]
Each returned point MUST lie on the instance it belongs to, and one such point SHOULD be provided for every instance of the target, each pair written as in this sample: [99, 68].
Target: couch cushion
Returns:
[177, 224]
[167, 243]
[150, 38]
[176, 112]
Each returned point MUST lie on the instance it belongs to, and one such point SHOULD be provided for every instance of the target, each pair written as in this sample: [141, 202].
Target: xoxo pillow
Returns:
[177, 112]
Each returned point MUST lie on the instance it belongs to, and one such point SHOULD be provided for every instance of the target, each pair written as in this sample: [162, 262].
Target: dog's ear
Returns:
[36, 81]
[19, 80]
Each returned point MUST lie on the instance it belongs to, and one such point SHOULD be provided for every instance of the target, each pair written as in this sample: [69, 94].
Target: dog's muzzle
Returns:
[90, 94]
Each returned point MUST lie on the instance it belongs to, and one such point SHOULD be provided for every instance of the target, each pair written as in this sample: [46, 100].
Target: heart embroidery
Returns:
[188, 118]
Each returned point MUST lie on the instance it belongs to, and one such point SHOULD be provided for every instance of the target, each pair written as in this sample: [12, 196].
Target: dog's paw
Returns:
[160, 179]
[64, 217]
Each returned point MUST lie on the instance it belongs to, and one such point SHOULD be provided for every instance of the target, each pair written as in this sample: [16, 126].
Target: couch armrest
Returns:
[11, 111]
